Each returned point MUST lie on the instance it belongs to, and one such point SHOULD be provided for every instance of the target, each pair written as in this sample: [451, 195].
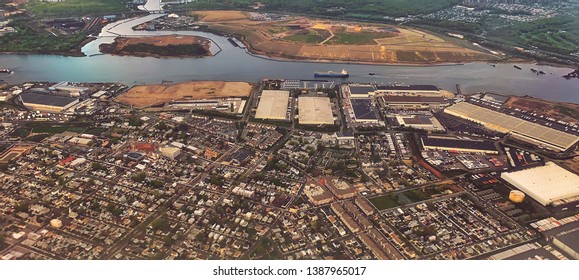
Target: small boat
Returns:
[5, 70]
[371, 73]
[517, 67]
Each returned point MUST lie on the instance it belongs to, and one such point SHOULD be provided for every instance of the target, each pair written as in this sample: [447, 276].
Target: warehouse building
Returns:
[363, 110]
[273, 105]
[66, 86]
[315, 110]
[412, 102]
[418, 120]
[549, 184]
[530, 132]
[46, 103]
[360, 90]
[459, 145]
[568, 242]
[416, 90]
[170, 152]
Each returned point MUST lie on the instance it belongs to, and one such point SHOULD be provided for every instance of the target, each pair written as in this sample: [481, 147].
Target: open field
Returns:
[362, 7]
[181, 46]
[567, 112]
[325, 40]
[75, 7]
[150, 95]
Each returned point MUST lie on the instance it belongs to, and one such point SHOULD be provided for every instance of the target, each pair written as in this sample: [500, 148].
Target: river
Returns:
[234, 64]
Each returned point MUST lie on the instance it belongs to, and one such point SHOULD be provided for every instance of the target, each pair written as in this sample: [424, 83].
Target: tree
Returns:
[160, 223]
[22, 207]
[139, 177]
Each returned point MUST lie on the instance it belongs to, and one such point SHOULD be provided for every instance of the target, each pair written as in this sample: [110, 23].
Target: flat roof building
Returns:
[273, 105]
[413, 102]
[46, 102]
[406, 90]
[549, 184]
[524, 130]
[568, 241]
[459, 145]
[363, 111]
[422, 120]
[360, 90]
[315, 110]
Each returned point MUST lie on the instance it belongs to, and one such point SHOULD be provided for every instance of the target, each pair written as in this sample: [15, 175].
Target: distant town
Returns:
[285, 169]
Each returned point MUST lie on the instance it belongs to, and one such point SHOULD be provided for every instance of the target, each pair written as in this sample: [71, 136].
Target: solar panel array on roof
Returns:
[363, 109]
[361, 89]
[409, 87]
[505, 123]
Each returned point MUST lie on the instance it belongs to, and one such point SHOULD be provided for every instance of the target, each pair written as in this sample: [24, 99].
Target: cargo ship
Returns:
[332, 74]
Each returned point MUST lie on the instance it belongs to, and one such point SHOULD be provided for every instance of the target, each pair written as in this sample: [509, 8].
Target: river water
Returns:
[235, 64]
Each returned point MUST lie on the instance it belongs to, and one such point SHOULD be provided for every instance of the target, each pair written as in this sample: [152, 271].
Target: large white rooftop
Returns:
[546, 184]
[273, 105]
[315, 110]
[518, 127]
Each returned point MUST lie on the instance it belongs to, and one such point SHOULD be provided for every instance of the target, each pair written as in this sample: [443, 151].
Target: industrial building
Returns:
[306, 84]
[273, 105]
[549, 184]
[315, 110]
[363, 110]
[568, 241]
[37, 101]
[360, 90]
[530, 132]
[230, 105]
[66, 86]
[411, 102]
[459, 145]
[417, 90]
[170, 152]
[418, 120]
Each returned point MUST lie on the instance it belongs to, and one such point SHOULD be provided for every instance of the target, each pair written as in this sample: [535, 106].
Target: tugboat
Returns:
[332, 74]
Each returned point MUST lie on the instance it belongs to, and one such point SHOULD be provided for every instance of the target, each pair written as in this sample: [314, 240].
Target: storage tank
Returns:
[56, 223]
[516, 196]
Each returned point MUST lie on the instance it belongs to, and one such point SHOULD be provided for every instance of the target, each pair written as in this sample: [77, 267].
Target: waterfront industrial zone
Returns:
[282, 169]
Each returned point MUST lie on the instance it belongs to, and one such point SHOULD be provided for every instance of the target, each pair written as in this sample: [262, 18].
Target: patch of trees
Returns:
[169, 50]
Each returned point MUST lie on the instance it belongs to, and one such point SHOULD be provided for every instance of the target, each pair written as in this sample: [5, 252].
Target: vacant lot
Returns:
[567, 112]
[312, 39]
[150, 95]
[220, 16]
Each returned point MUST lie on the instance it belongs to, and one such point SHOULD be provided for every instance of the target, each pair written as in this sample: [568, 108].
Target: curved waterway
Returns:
[235, 64]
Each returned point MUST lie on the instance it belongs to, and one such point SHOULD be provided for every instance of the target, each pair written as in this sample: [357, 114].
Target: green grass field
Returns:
[385, 202]
[311, 38]
[361, 38]
[75, 7]
[58, 129]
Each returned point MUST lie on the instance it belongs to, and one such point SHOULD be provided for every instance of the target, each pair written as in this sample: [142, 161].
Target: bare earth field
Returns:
[325, 40]
[568, 112]
[150, 95]
[159, 41]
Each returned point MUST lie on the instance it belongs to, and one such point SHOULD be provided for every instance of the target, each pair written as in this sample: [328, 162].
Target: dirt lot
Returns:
[220, 16]
[160, 41]
[311, 39]
[567, 112]
[150, 95]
